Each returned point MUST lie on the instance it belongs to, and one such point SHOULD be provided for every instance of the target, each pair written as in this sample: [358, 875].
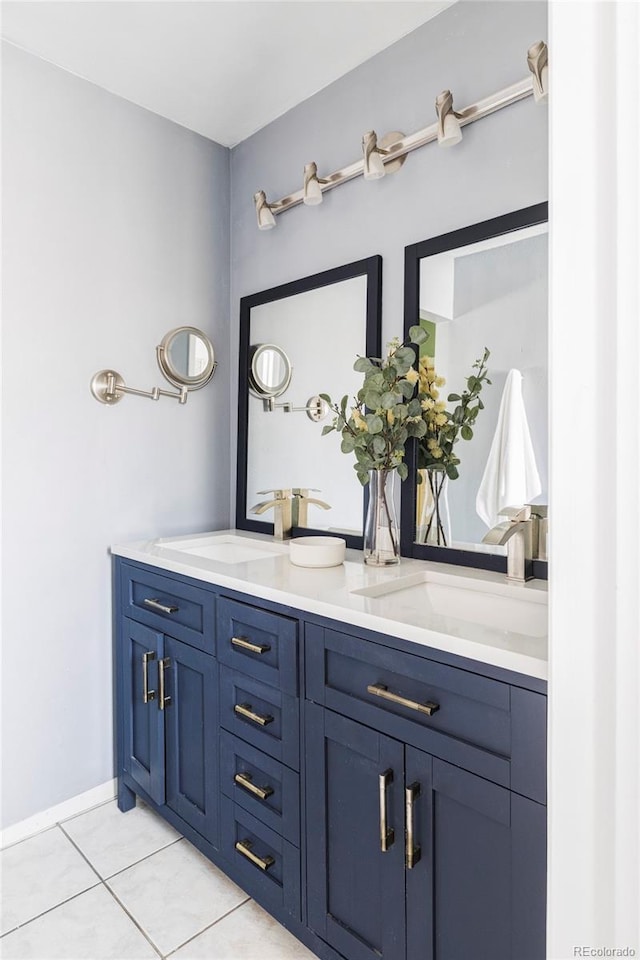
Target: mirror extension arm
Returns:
[107, 386]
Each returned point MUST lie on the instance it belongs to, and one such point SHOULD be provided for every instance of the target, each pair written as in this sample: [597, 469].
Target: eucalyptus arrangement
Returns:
[397, 402]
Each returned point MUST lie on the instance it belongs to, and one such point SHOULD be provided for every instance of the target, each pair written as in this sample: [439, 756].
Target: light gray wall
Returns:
[473, 48]
[116, 229]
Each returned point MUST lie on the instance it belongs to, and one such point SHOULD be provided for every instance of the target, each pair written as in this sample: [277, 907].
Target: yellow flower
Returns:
[357, 418]
[440, 381]
[427, 404]
[390, 417]
[412, 376]
[436, 453]
[432, 443]
[441, 419]
[426, 363]
[439, 406]
[434, 393]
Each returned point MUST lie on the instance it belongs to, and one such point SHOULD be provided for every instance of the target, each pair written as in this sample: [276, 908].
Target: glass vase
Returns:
[433, 520]
[381, 533]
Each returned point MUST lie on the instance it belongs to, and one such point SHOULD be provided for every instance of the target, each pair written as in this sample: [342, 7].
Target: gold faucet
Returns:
[300, 503]
[517, 533]
[281, 504]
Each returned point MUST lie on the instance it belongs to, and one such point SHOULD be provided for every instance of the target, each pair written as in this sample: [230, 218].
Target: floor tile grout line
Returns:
[82, 854]
[122, 869]
[147, 856]
[134, 921]
[54, 907]
[208, 927]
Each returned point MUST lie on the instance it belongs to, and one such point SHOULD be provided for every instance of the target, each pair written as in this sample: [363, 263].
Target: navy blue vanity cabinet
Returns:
[168, 701]
[422, 784]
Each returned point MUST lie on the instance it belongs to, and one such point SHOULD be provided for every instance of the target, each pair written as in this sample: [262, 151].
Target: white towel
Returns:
[511, 476]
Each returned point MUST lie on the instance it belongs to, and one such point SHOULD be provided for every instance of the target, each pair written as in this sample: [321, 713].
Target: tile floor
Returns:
[111, 886]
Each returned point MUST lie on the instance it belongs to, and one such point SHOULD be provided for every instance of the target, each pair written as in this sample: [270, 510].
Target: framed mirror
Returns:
[296, 341]
[481, 295]
[186, 358]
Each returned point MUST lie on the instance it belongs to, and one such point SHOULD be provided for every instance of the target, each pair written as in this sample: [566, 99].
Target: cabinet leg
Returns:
[126, 796]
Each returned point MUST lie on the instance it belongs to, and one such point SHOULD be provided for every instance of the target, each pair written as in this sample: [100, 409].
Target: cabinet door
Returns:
[191, 730]
[478, 889]
[143, 724]
[355, 890]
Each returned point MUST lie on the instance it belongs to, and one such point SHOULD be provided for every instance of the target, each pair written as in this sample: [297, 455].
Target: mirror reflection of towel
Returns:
[511, 475]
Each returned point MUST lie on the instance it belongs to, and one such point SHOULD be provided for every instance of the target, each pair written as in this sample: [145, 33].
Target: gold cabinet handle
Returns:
[244, 709]
[386, 832]
[247, 645]
[155, 604]
[380, 690]
[163, 664]
[245, 781]
[244, 847]
[412, 853]
[147, 695]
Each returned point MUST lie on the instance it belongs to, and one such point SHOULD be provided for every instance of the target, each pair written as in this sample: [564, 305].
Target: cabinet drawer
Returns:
[263, 786]
[259, 643]
[449, 712]
[264, 864]
[261, 715]
[171, 606]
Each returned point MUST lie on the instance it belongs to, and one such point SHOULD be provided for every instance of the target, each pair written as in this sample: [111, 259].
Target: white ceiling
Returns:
[223, 68]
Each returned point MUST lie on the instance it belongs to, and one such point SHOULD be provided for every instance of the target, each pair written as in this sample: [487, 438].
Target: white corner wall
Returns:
[115, 230]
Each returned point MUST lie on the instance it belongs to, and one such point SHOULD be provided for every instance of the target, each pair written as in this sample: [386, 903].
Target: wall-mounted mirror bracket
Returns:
[186, 359]
[316, 409]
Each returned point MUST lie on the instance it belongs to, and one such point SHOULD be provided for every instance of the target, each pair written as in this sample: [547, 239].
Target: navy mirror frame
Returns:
[371, 267]
[516, 220]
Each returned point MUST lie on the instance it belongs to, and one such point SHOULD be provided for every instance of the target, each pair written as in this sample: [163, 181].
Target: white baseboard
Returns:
[62, 811]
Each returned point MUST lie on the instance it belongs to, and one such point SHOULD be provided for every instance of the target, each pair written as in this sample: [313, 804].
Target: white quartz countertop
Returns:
[480, 630]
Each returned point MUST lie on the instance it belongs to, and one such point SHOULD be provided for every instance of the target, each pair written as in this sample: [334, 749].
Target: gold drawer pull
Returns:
[380, 690]
[244, 709]
[386, 833]
[244, 847]
[162, 607]
[244, 780]
[412, 853]
[247, 645]
[147, 695]
[163, 664]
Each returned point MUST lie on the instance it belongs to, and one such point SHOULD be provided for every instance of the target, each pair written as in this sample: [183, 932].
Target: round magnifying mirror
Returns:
[269, 370]
[186, 358]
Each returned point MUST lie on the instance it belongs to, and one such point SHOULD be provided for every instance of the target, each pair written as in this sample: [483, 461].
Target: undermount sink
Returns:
[223, 549]
[497, 606]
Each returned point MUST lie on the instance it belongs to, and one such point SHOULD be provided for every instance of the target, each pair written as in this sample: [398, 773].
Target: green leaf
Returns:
[326, 430]
[374, 423]
[363, 365]
[378, 444]
[347, 445]
[403, 471]
[389, 374]
[453, 397]
[406, 389]
[326, 398]
[452, 473]
[388, 400]
[372, 399]
[418, 334]
[413, 408]
[466, 432]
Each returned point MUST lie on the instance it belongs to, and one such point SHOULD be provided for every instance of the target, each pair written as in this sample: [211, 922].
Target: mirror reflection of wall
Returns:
[321, 330]
[490, 294]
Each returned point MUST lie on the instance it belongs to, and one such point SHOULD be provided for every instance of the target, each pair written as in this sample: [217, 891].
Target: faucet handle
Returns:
[304, 491]
[539, 510]
[282, 494]
[516, 514]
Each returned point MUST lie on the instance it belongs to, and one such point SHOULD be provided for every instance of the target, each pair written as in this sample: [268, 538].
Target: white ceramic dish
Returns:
[317, 551]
